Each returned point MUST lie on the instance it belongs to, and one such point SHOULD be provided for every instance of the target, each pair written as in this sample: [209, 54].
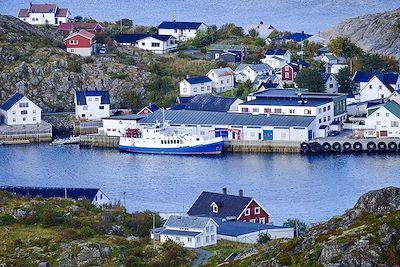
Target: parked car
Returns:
[103, 50]
[333, 133]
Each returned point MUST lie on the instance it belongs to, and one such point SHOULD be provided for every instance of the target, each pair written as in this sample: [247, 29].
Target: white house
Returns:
[222, 79]
[158, 44]
[383, 120]
[330, 59]
[92, 105]
[19, 110]
[331, 83]
[334, 68]
[379, 86]
[263, 30]
[326, 108]
[190, 231]
[277, 58]
[195, 86]
[44, 14]
[118, 125]
[317, 39]
[252, 72]
[182, 31]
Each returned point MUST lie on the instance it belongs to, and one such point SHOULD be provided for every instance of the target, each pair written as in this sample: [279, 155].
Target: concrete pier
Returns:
[35, 133]
[96, 140]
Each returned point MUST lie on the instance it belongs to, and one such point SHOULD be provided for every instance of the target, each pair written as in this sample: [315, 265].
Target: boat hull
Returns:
[206, 149]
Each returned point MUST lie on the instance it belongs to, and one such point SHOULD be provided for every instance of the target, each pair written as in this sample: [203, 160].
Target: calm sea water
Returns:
[295, 15]
[312, 188]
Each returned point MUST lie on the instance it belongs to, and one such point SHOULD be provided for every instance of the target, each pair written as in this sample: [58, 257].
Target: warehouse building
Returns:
[237, 126]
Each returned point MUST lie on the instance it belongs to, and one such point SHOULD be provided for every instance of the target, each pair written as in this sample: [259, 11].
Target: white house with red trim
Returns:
[44, 14]
[81, 43]
[230, 207]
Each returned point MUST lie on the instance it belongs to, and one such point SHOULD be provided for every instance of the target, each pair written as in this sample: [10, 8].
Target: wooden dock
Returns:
[232, 146]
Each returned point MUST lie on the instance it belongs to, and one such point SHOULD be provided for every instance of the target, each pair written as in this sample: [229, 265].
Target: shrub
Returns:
[263, 238]
[48, 216]
[7, 219]
[87, 232]
[69, 235]
[74, 66]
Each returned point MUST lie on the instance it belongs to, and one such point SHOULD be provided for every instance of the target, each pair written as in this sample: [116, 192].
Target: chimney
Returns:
[240, 192]
[302, 32]
[261, 22]
[224, 191]
[187, 76]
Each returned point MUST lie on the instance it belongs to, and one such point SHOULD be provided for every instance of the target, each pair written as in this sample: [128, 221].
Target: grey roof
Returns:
[186, 221]
[208, 103]
[238, 228]
[228, 205]
[255, 67]
[229, 118]
[265, 101]
[223, 71]
[293, 92]
[126, 117]
[179, 233]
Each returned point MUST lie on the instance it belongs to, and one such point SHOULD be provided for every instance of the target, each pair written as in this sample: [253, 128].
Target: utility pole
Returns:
[121, 24]
[125, 200]
[154, 234]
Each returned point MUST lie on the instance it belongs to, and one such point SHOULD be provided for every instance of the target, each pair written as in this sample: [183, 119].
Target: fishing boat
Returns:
[66, 141]
[160, 139]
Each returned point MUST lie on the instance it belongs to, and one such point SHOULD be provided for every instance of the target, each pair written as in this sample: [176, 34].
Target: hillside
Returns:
[33, 61]
[377, 33]
[62, 232]
[366, 235]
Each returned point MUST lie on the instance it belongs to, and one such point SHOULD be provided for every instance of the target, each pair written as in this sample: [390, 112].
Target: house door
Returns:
[56, 21]
[310, 135]
[233, 135]
[259, 136]
[268, 135]
[384, 134]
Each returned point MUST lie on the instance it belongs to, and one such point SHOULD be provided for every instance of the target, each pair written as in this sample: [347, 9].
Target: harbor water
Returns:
[310, 187]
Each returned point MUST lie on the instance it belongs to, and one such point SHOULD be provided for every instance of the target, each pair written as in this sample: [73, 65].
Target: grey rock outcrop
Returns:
[377, 33]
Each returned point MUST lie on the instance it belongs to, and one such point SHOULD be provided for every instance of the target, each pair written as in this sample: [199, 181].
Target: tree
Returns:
[229, 30]
[253, 33]
[203, 38]
[263, 238]
[243, 89]
[78, 18]
[311, 49]
[259, 41]
[370, 63]
[311, 79]
[124, 22]
[344, 47]
[299, 226]
[142, 222]
[346, 84]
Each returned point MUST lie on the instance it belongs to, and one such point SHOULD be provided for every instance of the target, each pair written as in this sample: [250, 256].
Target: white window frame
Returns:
[247, 212]
[257, 210]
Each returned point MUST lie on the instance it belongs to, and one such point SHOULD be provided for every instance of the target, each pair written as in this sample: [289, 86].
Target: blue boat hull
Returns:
[209, 149]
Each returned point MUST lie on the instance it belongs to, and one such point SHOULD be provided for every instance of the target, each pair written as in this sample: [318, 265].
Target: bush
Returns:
[263, 238]
[7, 219]
[87, 232]
[74, 66]
[48, 216]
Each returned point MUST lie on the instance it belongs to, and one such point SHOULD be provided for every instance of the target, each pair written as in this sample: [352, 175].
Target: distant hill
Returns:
[377, 33]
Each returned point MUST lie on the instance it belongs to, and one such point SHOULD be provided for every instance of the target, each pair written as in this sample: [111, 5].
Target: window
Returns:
[202, 88]
[253, 220]
[245, 110]
[101, 107]
[286, 75]
[24, 112]
[85, 107]
[329, 118]
[208, 88]
[377, 114]
[211, 228]
[247, 212]
[324, 109]
[257, 210]
[96, 99]
[212, 238]
[261, 220]
[329, 107]
[387, 114]
[324, 119]
[189, 239]
[184, 90]
[14, 120]
[143, 44]
[370, 86]
[24, 119]
[24, 105]
[90, 99]
[267, 110]
[319, 110]
[255, 109]
[331, 85]
[155, 44]
[207, 239]
[198, 239]
[215, 209]
[222, 82]
[101, 196]
[195, 89]
[178, 238]
[34, 118]
[320, 120]
[34, 111]
[394, 124]
[378, 123]
[291, 111]
[73, 42]
[278, 110]
[207, 229]
[307, 111]
[13, 112]
[380, 87]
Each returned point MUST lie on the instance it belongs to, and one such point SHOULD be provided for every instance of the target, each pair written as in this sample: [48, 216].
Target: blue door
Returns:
[310, 135]
[268, 135]
[221, 132]
[259, 136]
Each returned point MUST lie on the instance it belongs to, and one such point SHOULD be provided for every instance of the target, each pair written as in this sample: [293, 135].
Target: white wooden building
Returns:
[44, 14]
[118, 125]
[182, 31]
[190, 231]
[383, 120]
[195, 86]
[251, 72]
[19, 110]
[379, 86]
[277, 58]
[223, 79]
[92, 105]
[331, 83]
[158, 44]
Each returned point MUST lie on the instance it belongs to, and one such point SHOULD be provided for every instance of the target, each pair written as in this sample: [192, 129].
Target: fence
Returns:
[262, 146]
[87, 127]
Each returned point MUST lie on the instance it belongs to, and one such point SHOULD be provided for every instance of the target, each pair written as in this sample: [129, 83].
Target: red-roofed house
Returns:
[81, 43]
[70, 27]
[44, 14]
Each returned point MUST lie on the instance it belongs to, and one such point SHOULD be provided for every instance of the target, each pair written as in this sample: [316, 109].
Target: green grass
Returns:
[224, 248]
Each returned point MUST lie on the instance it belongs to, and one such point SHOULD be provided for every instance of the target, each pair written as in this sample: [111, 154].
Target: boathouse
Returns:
[237, 126]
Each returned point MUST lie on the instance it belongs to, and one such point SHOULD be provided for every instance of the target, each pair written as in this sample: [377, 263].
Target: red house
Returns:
[81, 43]
[70, 27]
[289, 71]
[230, 207]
